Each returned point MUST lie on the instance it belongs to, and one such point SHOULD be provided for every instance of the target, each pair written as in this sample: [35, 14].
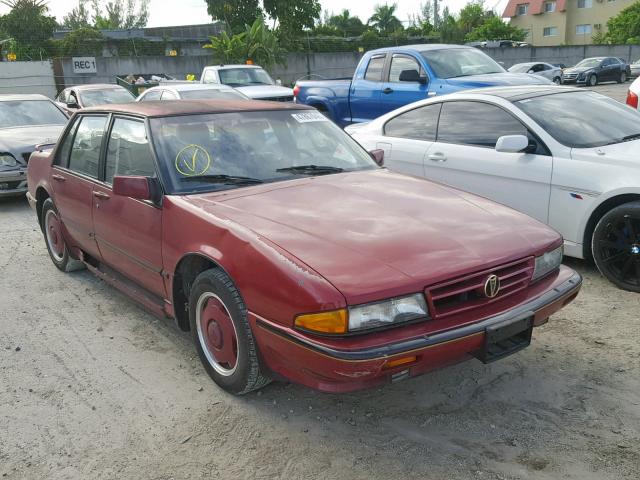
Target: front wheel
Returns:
[592, 81]
[557, 80]
[222, 334]
[616, 246]
[56, 246]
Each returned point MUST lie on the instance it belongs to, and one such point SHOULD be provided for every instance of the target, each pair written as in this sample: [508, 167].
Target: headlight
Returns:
[388, 312]
[7, 160]
[364, 317]
[547, 263]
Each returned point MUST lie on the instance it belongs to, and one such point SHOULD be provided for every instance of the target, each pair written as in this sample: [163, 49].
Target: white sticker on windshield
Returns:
[309, 117]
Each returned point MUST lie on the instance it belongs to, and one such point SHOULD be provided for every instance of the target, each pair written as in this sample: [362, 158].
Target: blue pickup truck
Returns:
[389, 78]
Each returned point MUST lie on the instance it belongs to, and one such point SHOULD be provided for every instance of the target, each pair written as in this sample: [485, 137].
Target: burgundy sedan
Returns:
[286, 249]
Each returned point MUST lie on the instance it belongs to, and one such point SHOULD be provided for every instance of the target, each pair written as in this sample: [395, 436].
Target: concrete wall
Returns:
[567, 55]
[27, 77]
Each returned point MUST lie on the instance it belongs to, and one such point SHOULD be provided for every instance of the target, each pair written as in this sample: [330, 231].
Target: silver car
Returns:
[191, 91]
[542, 69]
[25, 121]
[635, 68]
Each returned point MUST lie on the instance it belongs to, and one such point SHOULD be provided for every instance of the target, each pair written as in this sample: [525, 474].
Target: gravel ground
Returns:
[94, 387]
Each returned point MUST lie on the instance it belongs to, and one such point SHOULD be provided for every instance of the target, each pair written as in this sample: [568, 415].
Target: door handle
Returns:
[101, 195]
[437, 157]
[387, 90]
[58, 178]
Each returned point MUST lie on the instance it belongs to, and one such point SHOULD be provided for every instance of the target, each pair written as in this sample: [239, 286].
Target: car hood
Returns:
[375, 234]
[21, 141]
[624, 154]
[495, 79]
[266, 91]
[578, 69]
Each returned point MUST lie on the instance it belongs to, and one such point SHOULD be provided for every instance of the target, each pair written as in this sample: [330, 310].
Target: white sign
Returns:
[84, 64]
[311, 116]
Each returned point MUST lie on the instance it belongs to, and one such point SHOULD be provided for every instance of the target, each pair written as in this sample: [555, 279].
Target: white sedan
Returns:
[634, 94]
[568, 157]
[191, 91]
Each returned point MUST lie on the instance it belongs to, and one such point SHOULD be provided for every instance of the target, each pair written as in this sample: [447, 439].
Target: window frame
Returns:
[542, 146]
[435, 139]
[68, 132]
[387, 73]
[551, 30]
[551, 4]
[78, 120]
[585, 4]
[525, 7]
[583, 25]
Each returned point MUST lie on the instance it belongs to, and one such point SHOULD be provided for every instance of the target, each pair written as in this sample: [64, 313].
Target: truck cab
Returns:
[252, 80]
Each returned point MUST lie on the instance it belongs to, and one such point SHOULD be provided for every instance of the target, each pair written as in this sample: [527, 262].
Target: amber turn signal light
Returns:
[334, 321]
[400, 361]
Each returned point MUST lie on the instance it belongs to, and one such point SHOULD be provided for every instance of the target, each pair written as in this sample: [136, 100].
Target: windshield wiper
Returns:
[628, 138]
[311, 169]
[225, 179]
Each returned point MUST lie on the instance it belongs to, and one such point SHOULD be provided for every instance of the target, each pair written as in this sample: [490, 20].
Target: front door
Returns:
[74, 173]
[364, 95]
[397, 93]
[464, 157]
[129, 231]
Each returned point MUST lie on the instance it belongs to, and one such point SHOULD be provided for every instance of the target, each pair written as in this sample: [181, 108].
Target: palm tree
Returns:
[384, 19]
[347, 25]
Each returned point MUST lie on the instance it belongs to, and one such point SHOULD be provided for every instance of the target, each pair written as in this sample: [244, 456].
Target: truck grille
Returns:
[465, 293]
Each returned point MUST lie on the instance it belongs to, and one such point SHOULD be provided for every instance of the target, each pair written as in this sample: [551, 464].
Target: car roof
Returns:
[181, 87]
[520, 92]
[238, 65]
[95, 86]
[21, 97]
[423, 47]
[193, 107]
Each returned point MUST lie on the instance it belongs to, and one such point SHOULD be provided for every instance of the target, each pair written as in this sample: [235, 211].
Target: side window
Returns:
[475, 123]
[128, 151]
[85, 153]
[209, 76]
[62, 157]
[374, 69]
[419, 123]
[152, 95]
[168, 95]
[399, 63]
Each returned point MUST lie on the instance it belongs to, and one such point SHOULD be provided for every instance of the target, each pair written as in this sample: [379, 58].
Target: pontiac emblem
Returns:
[492, 286]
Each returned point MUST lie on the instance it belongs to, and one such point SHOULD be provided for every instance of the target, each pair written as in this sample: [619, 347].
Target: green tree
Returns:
[256, 43]
[495, 29]
[79, 17]
[449, 28]
[29, 26]
[292, 16]
[236, 14]
[82, 41]
[121, 14]
[624, 28]
[384, 19]
[346, 25]
[473, 15]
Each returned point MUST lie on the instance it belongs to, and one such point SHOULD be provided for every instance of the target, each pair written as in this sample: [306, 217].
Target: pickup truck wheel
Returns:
[56, 246]
[222, 334]
[616, 246]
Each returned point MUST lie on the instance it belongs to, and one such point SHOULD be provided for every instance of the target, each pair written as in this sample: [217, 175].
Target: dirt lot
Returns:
[94, 387]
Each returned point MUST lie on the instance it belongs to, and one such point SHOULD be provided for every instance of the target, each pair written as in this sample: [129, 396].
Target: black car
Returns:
[592, 71]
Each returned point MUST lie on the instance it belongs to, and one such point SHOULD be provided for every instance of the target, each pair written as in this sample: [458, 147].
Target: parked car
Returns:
[540, 150]
[592, 71]
[25, 121]
[635, 68]
[633, 94]
[627, 67]
[545, 70]
[561, 66]
[251, 80]
[191, 91]
[389, 78]
[271, 235]
[91, 95]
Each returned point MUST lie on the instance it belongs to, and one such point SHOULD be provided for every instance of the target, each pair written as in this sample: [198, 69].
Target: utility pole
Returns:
[435, 14]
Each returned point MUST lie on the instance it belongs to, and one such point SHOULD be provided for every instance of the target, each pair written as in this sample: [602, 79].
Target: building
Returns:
[563, 22]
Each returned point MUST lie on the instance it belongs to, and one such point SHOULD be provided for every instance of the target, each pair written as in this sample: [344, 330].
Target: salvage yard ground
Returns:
[94, 387]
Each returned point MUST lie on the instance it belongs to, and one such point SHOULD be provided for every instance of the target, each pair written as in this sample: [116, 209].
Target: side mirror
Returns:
[410, 76]
[134, 187]
[378, 156]
[512, 144]
[530, 71]
[72, 103]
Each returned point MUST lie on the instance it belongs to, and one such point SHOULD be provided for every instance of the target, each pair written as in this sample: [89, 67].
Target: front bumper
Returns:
[13, 182]
[315, 364]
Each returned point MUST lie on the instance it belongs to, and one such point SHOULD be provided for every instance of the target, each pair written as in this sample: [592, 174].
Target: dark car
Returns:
[274, 238]
[91, 95]
[592, 71]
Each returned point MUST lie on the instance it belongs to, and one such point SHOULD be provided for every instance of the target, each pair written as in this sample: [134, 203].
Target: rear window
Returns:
[212, 94]
[24, 113]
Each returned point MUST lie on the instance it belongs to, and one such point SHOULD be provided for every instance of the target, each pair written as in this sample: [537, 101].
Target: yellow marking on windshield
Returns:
[192, 160]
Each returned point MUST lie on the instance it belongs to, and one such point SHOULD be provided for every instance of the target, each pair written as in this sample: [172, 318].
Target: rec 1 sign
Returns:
[84, 64]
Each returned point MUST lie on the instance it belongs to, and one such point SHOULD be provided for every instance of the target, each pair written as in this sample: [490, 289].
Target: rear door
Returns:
[397, 93]
[129, 231]
[73, 176]
[464, 157]
[364, 95]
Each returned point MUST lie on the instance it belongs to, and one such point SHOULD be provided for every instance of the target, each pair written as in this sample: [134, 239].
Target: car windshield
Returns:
[521, 68]
[241, 77]
[226, 150]
[460, 62]
[91, 98]
[569, 118]
[212, 93]
[589, 63]
[30, 112]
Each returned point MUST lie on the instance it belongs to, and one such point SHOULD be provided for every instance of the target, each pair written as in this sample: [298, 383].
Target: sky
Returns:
[191, 12]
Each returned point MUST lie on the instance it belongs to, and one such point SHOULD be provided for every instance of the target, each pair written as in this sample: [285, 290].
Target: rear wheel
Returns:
[623, 77]
[557, 80]
[56, 246]
[222, 334]
[592, 81]
[616, 246]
